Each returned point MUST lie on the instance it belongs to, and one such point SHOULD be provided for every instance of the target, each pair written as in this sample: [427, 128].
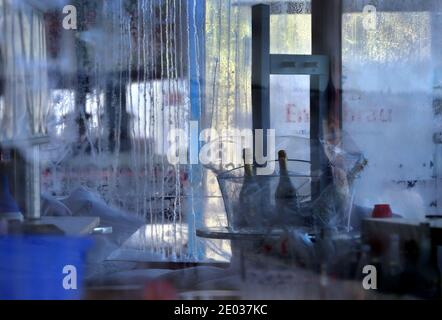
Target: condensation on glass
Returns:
[391, 84]
[24, 89]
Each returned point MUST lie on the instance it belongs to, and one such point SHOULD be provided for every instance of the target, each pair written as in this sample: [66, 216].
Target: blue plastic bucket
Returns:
[42, 267]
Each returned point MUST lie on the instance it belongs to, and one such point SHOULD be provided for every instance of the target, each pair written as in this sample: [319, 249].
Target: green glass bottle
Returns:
[248, 195]
[285, 195]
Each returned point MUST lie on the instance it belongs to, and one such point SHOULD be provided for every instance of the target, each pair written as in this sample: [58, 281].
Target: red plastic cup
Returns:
[382, 211]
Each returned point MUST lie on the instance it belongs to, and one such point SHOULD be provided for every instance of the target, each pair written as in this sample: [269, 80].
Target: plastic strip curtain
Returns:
[136, 58]
[142, 64]
[228, 95]
[23, 108]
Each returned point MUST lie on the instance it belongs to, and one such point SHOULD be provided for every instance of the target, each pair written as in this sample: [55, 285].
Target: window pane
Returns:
[290, 33]
[290, 113]
[389, 83]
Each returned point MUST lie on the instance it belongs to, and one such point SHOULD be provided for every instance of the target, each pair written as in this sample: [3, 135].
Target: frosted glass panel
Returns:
[389, 84]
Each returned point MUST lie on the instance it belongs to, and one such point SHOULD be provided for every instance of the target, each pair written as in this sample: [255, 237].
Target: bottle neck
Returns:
[248, 170]
[283, 166]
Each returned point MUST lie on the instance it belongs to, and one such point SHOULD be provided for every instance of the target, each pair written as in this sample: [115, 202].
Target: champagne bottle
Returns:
[248, 196]
[285, 195]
